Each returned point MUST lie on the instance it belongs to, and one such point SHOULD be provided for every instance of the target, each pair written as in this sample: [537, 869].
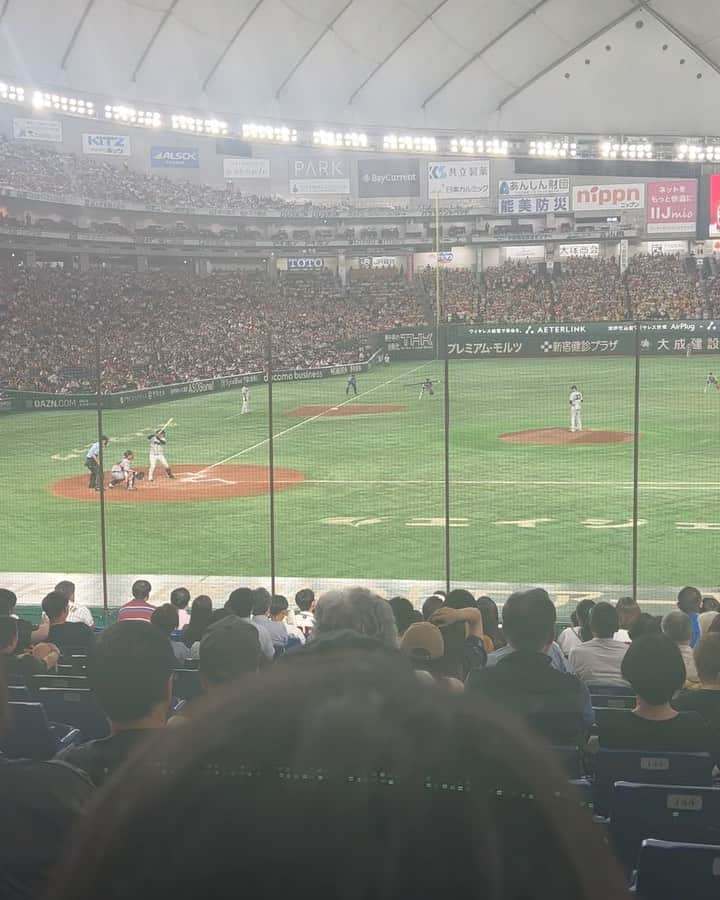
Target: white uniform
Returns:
[157, 455]
[245, 399]
[123, 473]
[576, 399]
[711, 381]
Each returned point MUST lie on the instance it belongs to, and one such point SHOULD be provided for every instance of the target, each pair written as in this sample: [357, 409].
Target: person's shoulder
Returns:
[56, 777]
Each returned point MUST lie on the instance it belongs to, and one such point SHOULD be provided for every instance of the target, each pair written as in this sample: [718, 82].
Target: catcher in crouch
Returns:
[123, 472]
[157, 454]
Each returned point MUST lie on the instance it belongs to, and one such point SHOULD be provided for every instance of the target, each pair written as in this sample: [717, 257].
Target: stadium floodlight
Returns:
[553, 149]
[484, 146]
[614, 150]
[353, 139]
[70, 105]
[140, 117]
[697, 153]
[198, 126]
[405, 143]
[13, 93]
[278, 134]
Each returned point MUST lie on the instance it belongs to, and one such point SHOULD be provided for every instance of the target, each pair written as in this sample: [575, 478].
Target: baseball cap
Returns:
[422, 642]
[229, 650]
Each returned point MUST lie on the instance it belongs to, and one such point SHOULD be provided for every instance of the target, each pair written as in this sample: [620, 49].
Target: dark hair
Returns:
[529, 619]
[166, 618]
[141, 589]
[654, 668]
[604, 620]
[262, 601]
[403, 611]
[241, 602]
[304, 599]
[689, 600]
[130, 669]
[581, 618]
[363, 762]
[8, 601]
[645, 624]
[8, 631]
[54, 604]
[65, 587]
[459, 598]
[180, 597]
[200, 615]
[432, 605]
[278, 604]
[707, 657]
[714, 625]
[491, 621]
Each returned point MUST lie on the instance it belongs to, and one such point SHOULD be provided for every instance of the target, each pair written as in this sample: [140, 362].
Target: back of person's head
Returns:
[423, 643]
[304, 599]
[432, 605]
[710, 604]
[278, 605]
[654, 668]
[67, 588]
[130, 670]
[403, 612]
[490, 618]
[690, 600]
[8, 633]
[348, 752]
[603, 620]
[141, 589]
[529, 619]
[645, 624]
[54, 605]
[356, 609]
[8, 601]
[241, 602]
[707, 658]
[714, 627]
[459, 598]
[166, 618]
[261, 602]
[628, 611]
[581, 618]
[677, 626]
[229, 650]
[180, 597]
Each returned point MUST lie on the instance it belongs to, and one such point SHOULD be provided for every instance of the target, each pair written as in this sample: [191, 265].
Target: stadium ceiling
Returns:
[478, 66]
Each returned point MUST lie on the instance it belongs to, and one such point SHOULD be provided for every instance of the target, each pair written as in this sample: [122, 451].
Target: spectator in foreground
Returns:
[229, 651]
[677, 626]
[42, 802]
[200, 615]
[423, 644]
[76, 612]
[655, 670]
[40, 660]
[552, 649]
[705, 700]
[166, 618]
[304, 617]
[431, 605]
[404, 613]
[241, 603]
[599, 660]
[27, 633]
[462, 632]
[579, 632]
[524, 679]
[350, 716]
[139, 608]
[180, 599]
[357, 610]
[690, 602]
[130, 673]
[69, 637]
[643, 625]
[279, 616]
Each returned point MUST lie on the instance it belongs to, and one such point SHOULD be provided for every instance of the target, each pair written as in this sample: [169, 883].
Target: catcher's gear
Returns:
[139, 476]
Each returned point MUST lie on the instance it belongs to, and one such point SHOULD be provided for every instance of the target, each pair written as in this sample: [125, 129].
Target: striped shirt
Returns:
[136, 609]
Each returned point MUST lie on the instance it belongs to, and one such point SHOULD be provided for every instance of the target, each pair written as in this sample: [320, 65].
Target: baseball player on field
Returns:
[711, 381]
[576, 399]
[123, 472]
[157, 454]
[426, 389]
[245, 400]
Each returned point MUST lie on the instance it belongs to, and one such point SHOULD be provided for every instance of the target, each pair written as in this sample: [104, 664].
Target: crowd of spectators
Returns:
[303, 710]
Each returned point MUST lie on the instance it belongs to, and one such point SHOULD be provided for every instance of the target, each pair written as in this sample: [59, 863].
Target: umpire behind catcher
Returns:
[92, 462]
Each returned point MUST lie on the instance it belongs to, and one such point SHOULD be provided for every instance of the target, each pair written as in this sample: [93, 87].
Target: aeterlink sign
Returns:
[459, 179]
[175, 157]
[106, 144]
[319, 175]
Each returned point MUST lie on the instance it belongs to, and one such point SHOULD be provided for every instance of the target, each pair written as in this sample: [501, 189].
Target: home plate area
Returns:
[350, 409]
[190, 483]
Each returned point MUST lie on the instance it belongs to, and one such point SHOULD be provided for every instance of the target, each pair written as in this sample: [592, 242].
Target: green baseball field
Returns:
[360, 490]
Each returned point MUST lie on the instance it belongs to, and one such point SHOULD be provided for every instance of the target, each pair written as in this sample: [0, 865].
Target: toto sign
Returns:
[602, 197]
[305, 262]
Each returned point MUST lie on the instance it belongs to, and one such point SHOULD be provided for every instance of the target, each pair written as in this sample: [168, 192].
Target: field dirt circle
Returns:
[191, 483]
[564, 436]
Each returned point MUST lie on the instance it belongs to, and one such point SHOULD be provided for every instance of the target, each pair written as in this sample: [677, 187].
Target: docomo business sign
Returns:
[106, 144]
[319, 175]
[605, 197]
[254, 169]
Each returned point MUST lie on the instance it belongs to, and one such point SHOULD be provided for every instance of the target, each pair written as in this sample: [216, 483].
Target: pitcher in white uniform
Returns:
[575, 401]
[157, 454]
[245, 400]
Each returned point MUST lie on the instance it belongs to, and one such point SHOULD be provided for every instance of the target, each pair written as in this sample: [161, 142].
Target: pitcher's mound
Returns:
[352, 409]
[190, 483]
[565, 436]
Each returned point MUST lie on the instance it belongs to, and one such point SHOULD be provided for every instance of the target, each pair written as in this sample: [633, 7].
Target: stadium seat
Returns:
[665, 812]
[18, 693]
[613, 701]
[77, 707]
[31, 736]
[647, 767]
[670, 871]
[614, 690]
[59, 681]
[186, 684]
[570, 758]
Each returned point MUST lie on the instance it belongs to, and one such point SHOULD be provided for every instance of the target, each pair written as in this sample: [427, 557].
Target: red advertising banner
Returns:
[672, 206]
[714, 205]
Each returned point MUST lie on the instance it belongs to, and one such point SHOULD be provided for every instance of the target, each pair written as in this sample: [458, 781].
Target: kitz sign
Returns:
[106, 144]
[175, 157]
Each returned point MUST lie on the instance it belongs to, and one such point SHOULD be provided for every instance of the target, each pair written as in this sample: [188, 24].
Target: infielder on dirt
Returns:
[245, 400]
[157, 454]
[123, 472]
[576, 399]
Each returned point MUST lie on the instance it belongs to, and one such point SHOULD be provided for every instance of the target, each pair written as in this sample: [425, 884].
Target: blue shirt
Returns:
[94, 450]
[695, 619]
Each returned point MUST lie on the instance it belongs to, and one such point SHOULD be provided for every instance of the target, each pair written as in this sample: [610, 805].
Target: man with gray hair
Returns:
[678, 626]
[355, 609]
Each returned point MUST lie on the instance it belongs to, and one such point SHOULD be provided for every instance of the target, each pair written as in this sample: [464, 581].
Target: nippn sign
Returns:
[606, 197]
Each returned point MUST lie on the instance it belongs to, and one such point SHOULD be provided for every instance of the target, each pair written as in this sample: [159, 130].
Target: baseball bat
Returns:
[169, 422]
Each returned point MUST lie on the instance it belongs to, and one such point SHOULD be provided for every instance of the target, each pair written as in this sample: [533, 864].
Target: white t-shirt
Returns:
[598, 661]
[568, 639]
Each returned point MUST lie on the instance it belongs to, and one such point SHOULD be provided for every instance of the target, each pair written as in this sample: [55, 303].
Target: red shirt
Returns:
[136, 609]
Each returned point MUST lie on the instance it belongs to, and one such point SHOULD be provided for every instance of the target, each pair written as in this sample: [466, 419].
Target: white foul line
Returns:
[313, 418]
[624, 485]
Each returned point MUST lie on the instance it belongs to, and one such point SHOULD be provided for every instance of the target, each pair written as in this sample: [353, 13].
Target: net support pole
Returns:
[271, 460]
[636, 464]
[442, 342]
[101, 475]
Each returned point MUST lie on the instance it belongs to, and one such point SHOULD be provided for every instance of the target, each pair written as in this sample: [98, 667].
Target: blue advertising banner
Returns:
[175, 157]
